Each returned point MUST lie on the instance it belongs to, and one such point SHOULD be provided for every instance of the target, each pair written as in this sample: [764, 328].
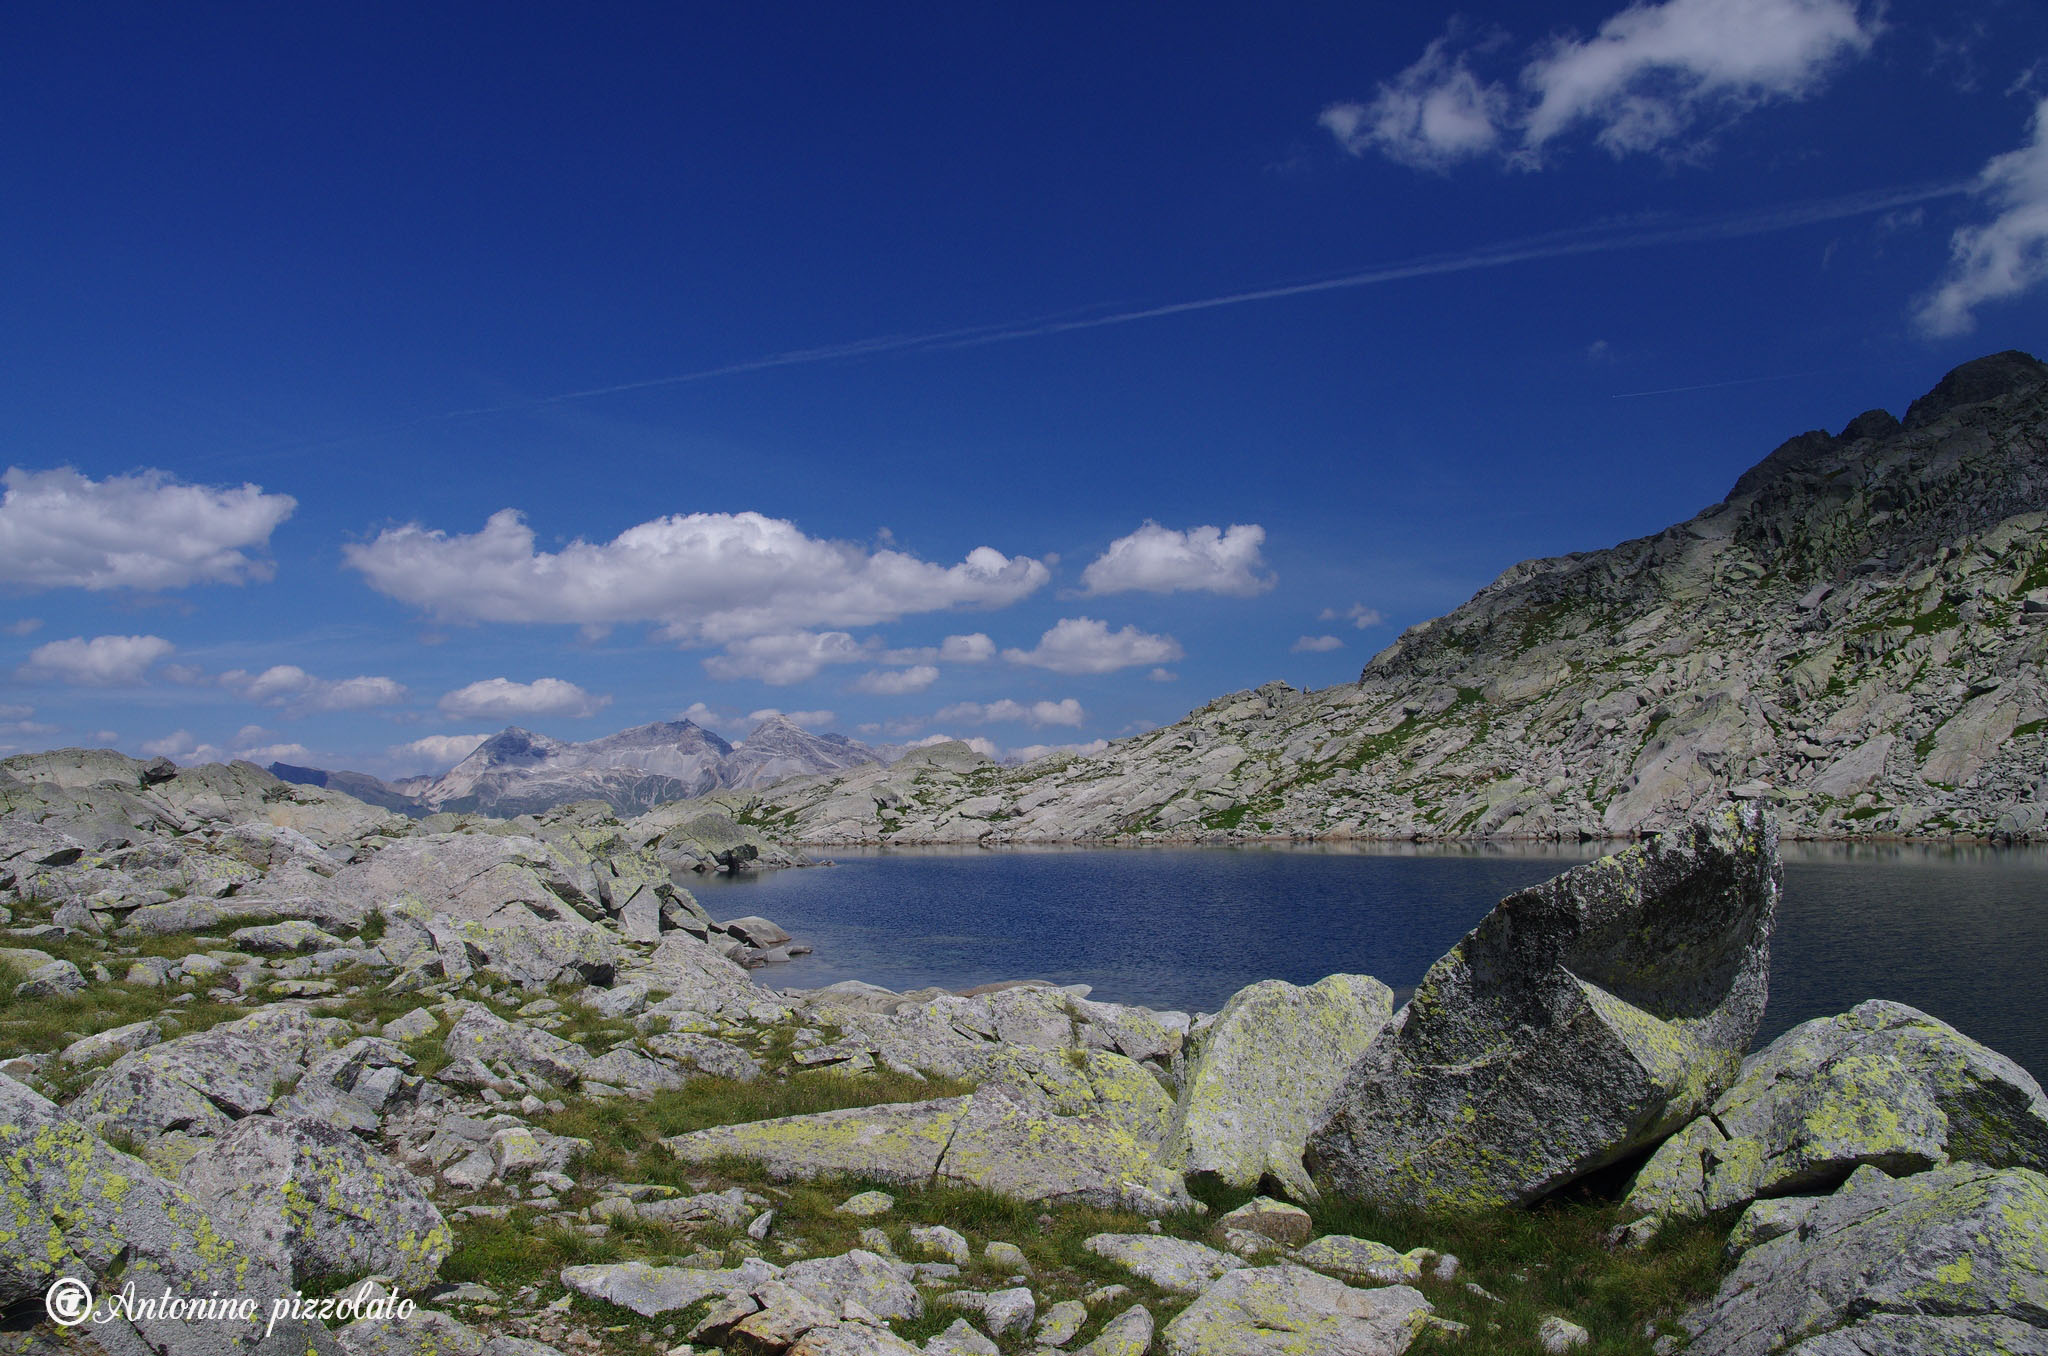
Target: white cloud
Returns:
[16, 712]
[1066, 711]
[2007, 255]
[810, 720]
[180, 745]
[1650, 75]
[790, 657]
[59, 529]
[26, 727]
[974, 649]
[434, 753]
[290, 685]
[1653, 70]
[1032, 752]
[27, 626]
[1162, 676]
[895, 682]
[710, 718]
[1084, 645]
[276, 753]
[1160, 560]
[501, 698]
[105, 738]
[705, 577]
[1358, 614]
[99, 662]
[1430, 115]
[1316, 645]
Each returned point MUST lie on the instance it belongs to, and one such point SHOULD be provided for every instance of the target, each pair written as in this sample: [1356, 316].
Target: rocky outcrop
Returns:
[1857, 635]
[1582, 1019]
[1951, 1260]
[1277, 1311]
[1262, 1071]
[1883, 1085]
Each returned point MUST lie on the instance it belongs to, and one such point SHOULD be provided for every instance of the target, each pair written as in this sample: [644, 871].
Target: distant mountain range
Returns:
[1857, 635]
[518, 772]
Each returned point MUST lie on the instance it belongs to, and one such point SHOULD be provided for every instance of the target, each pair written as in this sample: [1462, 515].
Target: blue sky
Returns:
[378, 376]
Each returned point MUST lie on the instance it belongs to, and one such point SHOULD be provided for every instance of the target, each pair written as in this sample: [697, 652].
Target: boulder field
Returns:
[259, 1040]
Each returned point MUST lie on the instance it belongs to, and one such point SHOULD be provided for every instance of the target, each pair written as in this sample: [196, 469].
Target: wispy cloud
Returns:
[1644, 82]
[2008, 255]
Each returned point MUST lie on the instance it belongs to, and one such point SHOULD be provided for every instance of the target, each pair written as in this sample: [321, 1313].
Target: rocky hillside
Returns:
[1855, 635]
[345, 1084]
[517, 772]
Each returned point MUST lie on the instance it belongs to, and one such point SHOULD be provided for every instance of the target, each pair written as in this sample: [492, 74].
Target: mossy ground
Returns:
[1551, 1260]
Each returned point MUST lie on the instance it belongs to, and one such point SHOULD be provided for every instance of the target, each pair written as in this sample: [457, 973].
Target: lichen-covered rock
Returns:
[881, 1285]
[481, 1034]
[1058, 1325]
[202, 1083]
[706, 1055]
[898, 1143]
[852, 1339]
[1952, 1260]
[1128, 1334]
[1361, 1259]
[1002, 1143]
[649, 1291]
[1276, 1220]
[1882, 1084]
[314, 1199]
[960, 1338]
[54, 979]
[1583, 1018]
[1169, 1263]
[1261, 1073]
[993, 1139]
[71, 1205]
[1285, 1310]
[500, 879]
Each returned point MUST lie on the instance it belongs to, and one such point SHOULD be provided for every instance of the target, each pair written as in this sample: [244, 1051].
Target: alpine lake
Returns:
[1958, 932]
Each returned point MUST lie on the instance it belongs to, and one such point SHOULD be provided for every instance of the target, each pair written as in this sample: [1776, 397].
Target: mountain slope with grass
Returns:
[1856, 634]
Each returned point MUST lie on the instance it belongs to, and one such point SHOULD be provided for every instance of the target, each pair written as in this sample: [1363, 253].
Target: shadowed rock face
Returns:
[1582, 1019]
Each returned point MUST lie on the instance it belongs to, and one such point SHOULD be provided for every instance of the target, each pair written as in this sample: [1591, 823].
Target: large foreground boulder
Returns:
[1947, 1262]
[73, 1206]
[1262, 1072]
[1583, 1018]
[1882, 1084]
[313, 1199]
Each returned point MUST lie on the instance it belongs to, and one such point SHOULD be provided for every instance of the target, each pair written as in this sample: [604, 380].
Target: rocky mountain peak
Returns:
[1977, 381]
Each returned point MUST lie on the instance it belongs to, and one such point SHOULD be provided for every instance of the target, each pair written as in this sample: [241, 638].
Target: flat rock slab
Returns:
[881, 1285]
[1584, 1018]
[1954, 1259]
[1169, 1263]
[1287, 1310]
[1260, 1075]
[649, 1291]
[1882, 1084]
[899, 1143]
[990, 1140]
[1361, 1259]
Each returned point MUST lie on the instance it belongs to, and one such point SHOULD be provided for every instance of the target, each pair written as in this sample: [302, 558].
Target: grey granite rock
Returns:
[1883, 1084]
[1282, 1310]
[1582, 1019]
[1954, 1259]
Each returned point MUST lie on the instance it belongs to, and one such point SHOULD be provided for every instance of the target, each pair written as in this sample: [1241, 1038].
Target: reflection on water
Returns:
[1961, 932]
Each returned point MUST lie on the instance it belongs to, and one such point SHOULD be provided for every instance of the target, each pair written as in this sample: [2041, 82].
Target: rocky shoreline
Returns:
[263, 1039]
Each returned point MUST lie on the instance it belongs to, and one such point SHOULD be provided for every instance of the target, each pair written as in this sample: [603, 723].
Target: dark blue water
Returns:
[1961, 933]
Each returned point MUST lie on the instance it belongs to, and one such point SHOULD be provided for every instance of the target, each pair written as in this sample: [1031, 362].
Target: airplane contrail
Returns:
[1646, 233]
